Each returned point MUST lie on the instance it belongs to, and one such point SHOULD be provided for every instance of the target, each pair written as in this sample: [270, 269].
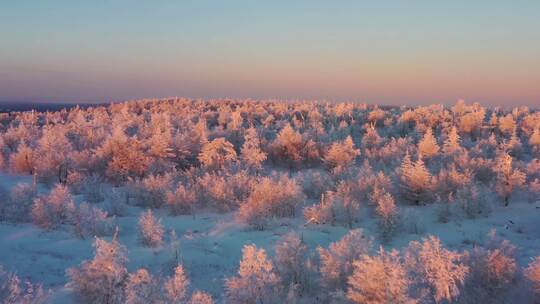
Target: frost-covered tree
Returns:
[182, 200]
[534, 140]
[452, 142]
[176, 286]
[102, 279]
[533, 274]
[251, 152]
[387, 210]
[341, 154]
[337, 260]
[13, 291]
[18, 206]
[200, 297]
[151, 192]
[288, 145]
[508, 178]
[142, 288]
[292, 259]
[493, 269]
[415, 180]
[217, 153]
[22, 161]
[507, 124]
[335, 207]
[428, 146]
[150, 230]
[435, 269]
[54, 209]
[379, 279]
[265, 202]
[90, 221]
[257, 280]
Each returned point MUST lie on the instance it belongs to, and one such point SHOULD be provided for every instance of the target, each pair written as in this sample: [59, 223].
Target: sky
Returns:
[386, 52]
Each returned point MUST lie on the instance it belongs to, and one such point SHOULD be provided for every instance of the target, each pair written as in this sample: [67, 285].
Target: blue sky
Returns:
[393, 52]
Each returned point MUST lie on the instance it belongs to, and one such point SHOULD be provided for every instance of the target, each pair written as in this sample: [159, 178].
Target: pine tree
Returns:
[251, 152]
[428, 146]
[257, 281]
[379, 279]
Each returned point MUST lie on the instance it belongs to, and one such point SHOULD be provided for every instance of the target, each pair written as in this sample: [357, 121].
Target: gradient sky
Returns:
[390, 52]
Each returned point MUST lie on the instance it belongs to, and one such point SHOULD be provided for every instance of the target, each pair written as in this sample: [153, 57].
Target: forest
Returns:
[194, 201]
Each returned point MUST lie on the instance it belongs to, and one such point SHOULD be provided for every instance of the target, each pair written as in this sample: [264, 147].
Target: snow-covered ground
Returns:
[210, 243]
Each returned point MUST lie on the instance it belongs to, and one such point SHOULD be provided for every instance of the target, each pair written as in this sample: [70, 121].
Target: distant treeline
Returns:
[8, 106]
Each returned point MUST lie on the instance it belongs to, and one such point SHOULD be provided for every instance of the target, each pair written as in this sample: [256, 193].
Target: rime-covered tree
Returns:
[436, 269]
[54, 209]
[102, 279]
[14, 291]
[150, 230]
[337, 260]
[176, 286]
[508, 178]
[387, 210]
[534, 140]
[533, 274]
[200, 297]
[251, 152]
[288, 145]
[428, 146]
[257, 280]
[22, 161]
[341, 154]
[142, 288]
[452, 142]
[182, 200]
[379, 279]
[415, 180]
[292, 257]
[217, 153]
[265, 202]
